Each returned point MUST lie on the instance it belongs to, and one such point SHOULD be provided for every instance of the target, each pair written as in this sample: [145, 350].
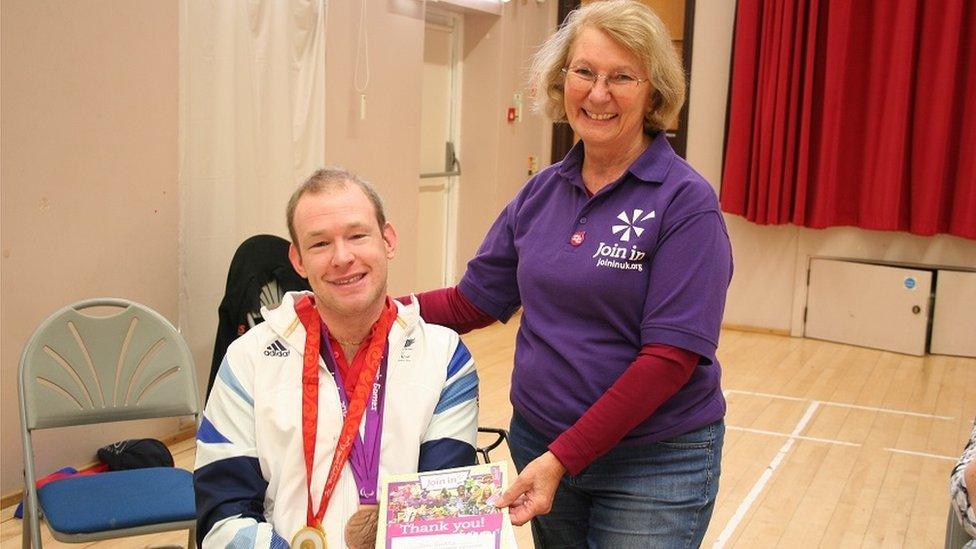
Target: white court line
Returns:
[768, 395]
[799, 437]
[840, 404]
[889, 411]
[840, 442]
[922, 454]
[760, 484]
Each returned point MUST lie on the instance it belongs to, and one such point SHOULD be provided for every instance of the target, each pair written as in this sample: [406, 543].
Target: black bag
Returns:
[135, 454]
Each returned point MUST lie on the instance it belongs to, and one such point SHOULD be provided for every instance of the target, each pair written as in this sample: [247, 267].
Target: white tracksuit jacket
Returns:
[250, 468]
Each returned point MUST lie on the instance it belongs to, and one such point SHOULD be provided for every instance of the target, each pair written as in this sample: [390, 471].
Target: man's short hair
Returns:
[330, 179]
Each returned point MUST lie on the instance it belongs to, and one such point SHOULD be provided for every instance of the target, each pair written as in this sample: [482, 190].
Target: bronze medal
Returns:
[361, 527]
[309, 538]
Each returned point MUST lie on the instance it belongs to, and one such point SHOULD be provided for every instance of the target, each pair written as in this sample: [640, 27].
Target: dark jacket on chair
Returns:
[259, 260]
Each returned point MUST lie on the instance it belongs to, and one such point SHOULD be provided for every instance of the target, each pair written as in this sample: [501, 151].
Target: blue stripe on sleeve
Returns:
[226, 375]
[460, 358]
[227, 488]
[278, 542]
[209, 434]
[462, 390]
[445, 453]
[245, 538]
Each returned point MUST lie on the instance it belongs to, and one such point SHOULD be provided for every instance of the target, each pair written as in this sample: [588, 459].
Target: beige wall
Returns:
[385, 147]
[493, 152]
[769, 285]
[89, 196]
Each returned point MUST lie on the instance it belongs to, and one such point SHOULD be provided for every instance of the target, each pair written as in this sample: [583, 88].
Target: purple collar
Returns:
[652, 166]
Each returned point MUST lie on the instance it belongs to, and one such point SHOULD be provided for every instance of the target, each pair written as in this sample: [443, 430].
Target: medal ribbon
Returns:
[367, 383]
[365, 455]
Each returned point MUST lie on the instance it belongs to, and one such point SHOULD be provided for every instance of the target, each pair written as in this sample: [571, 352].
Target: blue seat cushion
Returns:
[118, 499]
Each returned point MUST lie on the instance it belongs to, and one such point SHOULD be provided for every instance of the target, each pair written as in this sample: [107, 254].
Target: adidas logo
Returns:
[407, 349]
[276, 349]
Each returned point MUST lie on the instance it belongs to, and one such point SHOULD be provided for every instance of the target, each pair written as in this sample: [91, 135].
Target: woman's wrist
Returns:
[568, 453]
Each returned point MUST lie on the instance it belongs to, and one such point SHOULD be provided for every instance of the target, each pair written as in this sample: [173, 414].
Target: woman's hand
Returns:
[532, 492]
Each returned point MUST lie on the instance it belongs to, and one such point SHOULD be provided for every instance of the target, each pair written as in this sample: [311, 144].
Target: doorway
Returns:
[440, 169]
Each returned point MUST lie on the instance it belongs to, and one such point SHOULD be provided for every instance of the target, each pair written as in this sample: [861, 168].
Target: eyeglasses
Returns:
[583, 79]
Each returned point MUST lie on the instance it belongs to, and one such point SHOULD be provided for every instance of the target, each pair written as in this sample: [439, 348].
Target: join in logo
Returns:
[630, 224]
[276, 349]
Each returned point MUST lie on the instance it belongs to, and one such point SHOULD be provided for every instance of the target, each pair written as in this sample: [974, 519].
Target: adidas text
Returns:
[276, 349]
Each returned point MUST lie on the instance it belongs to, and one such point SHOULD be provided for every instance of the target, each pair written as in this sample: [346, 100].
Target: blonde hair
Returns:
[633, 26]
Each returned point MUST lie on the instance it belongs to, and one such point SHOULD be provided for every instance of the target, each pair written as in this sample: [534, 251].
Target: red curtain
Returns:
[854, 113]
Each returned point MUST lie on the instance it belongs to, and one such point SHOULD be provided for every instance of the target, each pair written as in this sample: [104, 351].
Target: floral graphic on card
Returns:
[453, 508]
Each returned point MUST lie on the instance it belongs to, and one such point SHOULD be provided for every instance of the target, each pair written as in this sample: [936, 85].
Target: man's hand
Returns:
[532, 492]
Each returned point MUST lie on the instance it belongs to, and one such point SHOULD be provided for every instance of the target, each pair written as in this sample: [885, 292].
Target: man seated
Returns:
[339, 370]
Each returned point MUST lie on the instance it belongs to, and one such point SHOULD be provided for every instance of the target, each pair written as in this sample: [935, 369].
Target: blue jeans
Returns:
[653, 495]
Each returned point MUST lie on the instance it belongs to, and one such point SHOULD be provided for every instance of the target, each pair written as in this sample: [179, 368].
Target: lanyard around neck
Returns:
[368, 384]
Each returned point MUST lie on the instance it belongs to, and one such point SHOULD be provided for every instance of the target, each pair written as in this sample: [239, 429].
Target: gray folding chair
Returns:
[80, 369]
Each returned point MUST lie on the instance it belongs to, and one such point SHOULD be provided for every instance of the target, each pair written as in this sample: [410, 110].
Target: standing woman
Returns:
[620, 260]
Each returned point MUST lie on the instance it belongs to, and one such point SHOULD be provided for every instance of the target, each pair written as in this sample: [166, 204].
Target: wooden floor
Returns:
[828, 445]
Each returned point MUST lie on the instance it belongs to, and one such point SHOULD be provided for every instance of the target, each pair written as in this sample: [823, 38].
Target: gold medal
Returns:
[309, 538]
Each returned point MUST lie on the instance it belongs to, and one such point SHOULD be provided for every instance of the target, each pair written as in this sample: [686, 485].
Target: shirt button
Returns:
[583, 220]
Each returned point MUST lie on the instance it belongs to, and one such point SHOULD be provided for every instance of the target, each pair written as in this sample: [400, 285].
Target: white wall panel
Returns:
[954, 317]
[869, 305]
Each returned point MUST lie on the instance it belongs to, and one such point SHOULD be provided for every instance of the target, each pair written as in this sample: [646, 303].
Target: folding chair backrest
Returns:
[81, 368]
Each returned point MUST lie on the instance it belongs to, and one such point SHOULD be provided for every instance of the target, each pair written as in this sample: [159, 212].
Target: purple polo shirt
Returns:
[653, 267]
